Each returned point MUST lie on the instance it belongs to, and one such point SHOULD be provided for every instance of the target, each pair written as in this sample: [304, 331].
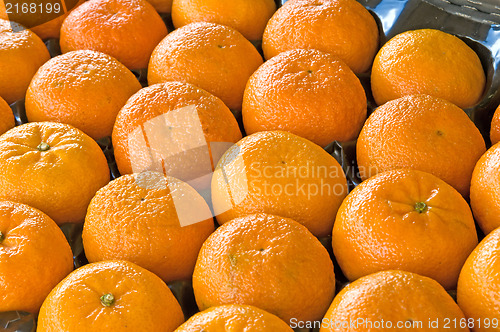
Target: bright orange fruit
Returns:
[21, 54]
[485, 190]
[407, 220]
[397, 300]
[479, 284]
[150, 131]
[110, 296]
[248, 17]
[53, 167]
[495, 127]
[6, 117]
[34, 257]
[341, 27]
[308, 93]
[142, 218]
[424, 133]
[85, 89]
[429, 62]
[128, 30]
[211, 56]
[234, 316]
[279, 173]
[266, 261]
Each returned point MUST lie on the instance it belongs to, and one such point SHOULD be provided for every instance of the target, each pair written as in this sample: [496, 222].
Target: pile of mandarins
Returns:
[240, 102]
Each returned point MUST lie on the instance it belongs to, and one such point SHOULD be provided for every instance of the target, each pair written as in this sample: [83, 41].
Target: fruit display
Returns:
[258, 166]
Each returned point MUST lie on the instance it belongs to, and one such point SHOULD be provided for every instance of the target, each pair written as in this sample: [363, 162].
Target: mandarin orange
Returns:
[110, 296]
[279, 173]
[143, 218]
[428, 61]
[308, 93]
[267, 261]
[248, 17]
[495, 127]
[341, 27]
[479, 284]
[485, 190]
[34, 257]
[128, 30]
[234, 317]
[85, 89]
[174, 128]
[407, 220]
[6, 117]
[213, 57]
[53, 167]
[424, 133]
[21, 54]
[393, 300]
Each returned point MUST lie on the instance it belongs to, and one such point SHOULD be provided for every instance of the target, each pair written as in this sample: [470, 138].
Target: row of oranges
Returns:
[273, 192]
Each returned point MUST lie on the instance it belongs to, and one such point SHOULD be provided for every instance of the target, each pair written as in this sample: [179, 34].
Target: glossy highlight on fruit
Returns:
[267, 261]
[428, 61]
[423, 133]
[53, 167]
[211, 56]
[128, 30]
[34, 257]
[110, 296]
[85, 89]
[343, 28]
[406, 220]
[381, 301]
[279, 173]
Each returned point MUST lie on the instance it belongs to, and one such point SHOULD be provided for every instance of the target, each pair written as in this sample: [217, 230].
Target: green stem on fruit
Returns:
[2, 237]
[43, 147]
[107, 300]
[420, 207]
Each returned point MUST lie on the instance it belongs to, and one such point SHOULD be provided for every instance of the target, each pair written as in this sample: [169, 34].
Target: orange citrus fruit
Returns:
[213, 57]
[21, 54]
[234, 317]
[485, 190]
[267, 261]
[52, 167]
[398, 300]
[429, 62]
[52, 28]
[405, 220]
[161, 114]
[495, 127]
[85, 89]
[279, 173]
[341, 27]
[142, 218]
[34, 257]
[6, 117]
[424, 133]
[128, 30]
[308, 93]
[248, 17]
[479, 284]
[110, 296]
